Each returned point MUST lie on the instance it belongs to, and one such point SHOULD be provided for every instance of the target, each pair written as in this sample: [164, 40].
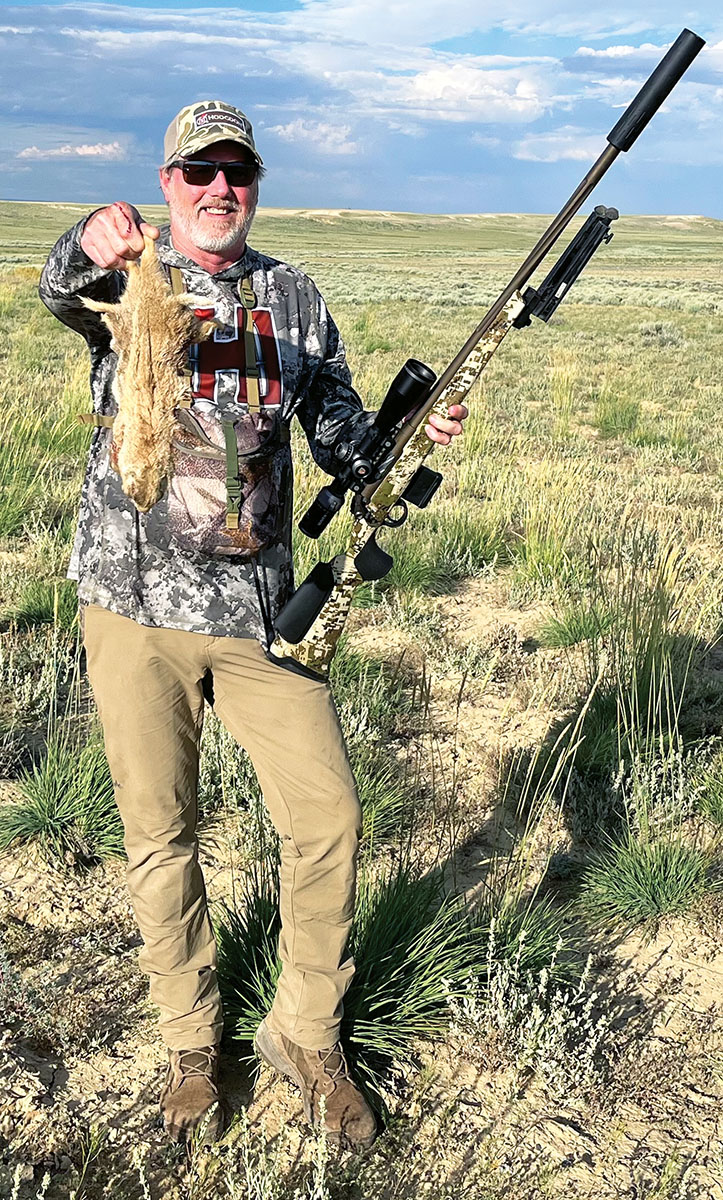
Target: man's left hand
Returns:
[439, 429]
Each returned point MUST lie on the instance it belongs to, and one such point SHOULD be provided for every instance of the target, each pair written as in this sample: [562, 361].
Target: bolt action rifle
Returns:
[384, 468]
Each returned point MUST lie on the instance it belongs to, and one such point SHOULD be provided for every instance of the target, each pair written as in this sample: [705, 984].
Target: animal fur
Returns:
[151, 331]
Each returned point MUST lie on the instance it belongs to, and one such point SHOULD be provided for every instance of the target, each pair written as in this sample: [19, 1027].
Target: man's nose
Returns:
[219, 186]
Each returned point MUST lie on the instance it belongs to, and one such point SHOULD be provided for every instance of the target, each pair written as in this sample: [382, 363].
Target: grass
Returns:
[416, 952]
[616, 414]
[710, 790]
[371, 697]
[38, 670]
[587, 484]
[46, 603]
[637, 882]
[68, 809]
[410, 944]
[387, 798]
[572, 624]
[653, 623]
[226, 776]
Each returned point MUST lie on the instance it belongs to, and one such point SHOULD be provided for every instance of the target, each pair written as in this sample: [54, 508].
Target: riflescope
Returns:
[363, 460]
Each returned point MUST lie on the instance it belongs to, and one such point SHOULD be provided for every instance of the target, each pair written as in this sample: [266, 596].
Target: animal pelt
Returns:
[151, 331]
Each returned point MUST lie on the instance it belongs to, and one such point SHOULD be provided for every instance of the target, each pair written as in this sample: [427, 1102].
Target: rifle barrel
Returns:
[652, 94]
[556, 227]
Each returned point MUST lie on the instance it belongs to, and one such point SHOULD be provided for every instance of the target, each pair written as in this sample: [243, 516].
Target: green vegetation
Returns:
[710, 790]
[637, 882]
[557, 608]
[416, 952]
[68, 810]
[44, 603]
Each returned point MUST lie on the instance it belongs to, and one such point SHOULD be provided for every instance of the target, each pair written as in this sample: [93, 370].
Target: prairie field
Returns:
[533, 703]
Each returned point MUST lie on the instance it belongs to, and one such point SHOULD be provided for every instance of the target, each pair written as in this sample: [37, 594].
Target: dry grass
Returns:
[566, 588]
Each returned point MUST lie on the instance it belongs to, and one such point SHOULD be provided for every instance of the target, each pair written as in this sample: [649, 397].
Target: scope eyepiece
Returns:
[319, 514]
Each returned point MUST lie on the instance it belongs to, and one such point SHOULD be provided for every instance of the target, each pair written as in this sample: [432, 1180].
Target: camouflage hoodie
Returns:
[124, 560]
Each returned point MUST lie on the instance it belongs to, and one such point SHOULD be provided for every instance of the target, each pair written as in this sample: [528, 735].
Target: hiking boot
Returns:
[190, 1098]
[348, 1119]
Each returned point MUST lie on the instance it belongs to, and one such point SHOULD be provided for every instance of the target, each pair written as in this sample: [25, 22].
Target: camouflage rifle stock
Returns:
[386, 470]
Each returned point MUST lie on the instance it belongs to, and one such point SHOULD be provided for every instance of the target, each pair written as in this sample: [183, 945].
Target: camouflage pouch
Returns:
[223, 495]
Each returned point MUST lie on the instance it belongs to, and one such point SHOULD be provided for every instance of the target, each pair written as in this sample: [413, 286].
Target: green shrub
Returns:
[43, 603]
[386, 798]
[68, 810]
[636, 882]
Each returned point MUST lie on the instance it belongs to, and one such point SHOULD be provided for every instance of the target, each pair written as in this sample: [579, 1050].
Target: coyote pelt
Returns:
[151, 331]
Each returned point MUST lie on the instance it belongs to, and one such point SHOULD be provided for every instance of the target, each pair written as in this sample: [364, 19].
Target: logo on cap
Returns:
[214, 116]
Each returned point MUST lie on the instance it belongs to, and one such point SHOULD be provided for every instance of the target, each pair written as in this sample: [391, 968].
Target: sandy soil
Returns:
[81, 1047]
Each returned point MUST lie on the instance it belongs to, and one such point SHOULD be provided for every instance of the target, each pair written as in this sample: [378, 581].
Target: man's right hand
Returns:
[113, 236]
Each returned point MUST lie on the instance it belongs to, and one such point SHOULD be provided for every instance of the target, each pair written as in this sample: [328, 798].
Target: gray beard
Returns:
[219, 242]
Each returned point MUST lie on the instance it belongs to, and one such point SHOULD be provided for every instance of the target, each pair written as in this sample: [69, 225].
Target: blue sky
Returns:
[412, 105]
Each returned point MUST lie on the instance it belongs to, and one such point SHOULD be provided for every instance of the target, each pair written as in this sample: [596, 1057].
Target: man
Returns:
[160, 618]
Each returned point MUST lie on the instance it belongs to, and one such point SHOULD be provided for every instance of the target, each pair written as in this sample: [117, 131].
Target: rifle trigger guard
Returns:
[391, 522]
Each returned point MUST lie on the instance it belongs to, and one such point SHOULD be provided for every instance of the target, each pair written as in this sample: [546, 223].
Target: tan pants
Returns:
[147, 685]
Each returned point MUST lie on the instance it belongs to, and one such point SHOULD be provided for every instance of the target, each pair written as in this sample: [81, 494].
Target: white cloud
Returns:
[568, 142]
[646, 50]
[324, 137]
[455, 91]
[103, 150]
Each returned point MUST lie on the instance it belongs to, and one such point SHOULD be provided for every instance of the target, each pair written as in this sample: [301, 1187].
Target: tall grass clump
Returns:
[637, 668]
[564, 373]
[552, 516]
[416, 951]
[616, 412]
[636, 881]
[412, 945]
[573, 623]
[45, 603]
[23, 470]
[68, 809]
[466, 538]
[372, 698]
[386, 796]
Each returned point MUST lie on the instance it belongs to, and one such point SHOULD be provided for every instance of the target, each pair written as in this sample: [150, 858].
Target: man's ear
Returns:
[165, 181]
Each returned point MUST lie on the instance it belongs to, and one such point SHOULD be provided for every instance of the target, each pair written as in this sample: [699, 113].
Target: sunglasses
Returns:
[199, 173]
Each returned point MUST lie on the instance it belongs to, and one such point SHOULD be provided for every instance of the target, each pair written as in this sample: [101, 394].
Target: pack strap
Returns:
[233, 480]
[98, 419]
[177, 287]
[252, 372]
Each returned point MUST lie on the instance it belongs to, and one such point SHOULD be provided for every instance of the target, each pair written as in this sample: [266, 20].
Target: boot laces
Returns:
[339, 1070]
[197, 1062]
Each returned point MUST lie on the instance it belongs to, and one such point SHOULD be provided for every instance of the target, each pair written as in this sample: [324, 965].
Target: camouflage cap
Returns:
[203, 123]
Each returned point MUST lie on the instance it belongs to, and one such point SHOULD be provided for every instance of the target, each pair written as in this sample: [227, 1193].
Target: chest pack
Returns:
[224, 495]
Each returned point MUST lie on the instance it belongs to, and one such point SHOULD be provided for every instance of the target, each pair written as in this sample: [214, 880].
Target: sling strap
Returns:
[234, 491]
[177, 287]
[252, 371]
